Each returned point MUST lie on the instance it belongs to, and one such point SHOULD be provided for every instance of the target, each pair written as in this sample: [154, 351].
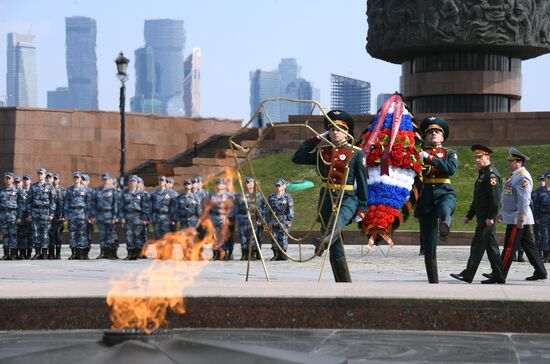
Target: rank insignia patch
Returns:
[493, 180]
[524, 184]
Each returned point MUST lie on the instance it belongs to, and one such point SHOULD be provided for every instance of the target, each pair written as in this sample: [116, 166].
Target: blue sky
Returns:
[325, 36]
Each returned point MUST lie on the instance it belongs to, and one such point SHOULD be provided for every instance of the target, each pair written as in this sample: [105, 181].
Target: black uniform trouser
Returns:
[521, 237]
[484, 240]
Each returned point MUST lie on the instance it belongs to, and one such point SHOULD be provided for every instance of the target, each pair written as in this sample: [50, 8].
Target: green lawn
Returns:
[269, 168]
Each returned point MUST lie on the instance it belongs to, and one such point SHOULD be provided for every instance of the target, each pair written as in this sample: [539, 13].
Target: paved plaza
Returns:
[398, 272]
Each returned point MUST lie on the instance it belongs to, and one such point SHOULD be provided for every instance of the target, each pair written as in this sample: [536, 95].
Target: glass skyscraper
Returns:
[285, 82]
[144, 100]
[21, 70]
[350, 95]
[191, 83]
[166, 38]
[81, 62]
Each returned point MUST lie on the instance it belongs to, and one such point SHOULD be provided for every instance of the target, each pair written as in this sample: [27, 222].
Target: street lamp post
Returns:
[122, 66]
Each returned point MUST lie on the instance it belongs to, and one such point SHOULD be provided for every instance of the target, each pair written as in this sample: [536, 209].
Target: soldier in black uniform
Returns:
[484, 207]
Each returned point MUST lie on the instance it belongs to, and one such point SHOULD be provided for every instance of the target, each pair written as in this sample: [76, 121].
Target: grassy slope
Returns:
[269, 168]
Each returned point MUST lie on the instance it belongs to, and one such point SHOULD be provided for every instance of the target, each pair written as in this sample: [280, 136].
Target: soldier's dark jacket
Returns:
[487, 190]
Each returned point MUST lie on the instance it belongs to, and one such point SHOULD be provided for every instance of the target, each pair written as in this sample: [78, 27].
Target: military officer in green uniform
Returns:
[332, 163]
[484, 208]
[437, 200]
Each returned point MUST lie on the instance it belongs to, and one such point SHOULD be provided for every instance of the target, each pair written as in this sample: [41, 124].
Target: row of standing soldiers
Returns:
[33, 215]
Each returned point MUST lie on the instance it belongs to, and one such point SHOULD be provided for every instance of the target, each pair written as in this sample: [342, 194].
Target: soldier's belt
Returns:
[40, 207]
[437, 180]
[8, 210]
[337, 187]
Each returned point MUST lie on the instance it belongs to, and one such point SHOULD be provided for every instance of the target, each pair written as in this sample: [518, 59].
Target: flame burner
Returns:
[116, 336]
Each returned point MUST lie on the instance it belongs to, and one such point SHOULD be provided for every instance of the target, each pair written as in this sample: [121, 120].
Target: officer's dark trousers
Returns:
[484, 240]
[347, 211]
[516, 237]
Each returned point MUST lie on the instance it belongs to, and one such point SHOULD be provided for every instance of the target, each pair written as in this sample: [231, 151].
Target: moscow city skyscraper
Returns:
[285, 82]
[350, 94]
[81, 62]
[191, 83]
[21, 70]
[160, 68]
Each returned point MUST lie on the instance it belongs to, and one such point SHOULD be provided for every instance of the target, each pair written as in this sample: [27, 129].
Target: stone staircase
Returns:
[206, 158]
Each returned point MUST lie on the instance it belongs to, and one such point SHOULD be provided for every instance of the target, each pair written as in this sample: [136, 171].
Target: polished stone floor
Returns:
[279, 346]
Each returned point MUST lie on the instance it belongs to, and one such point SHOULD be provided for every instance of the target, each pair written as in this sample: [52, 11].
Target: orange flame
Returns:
[142, 302]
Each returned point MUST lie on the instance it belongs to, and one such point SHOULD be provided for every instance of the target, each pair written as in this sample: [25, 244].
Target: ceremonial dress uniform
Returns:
[437, 200]
[516, 198]
[333, 163]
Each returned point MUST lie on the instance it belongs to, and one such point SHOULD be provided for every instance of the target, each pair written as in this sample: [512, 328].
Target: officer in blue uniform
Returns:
[135, 211]
[161, 202]
[145, 231]
[24, 229]
[186, 208]
[9, 202]
[174, 196]
[86, 180]
[542, 217]
[105, 212]
[437, 201]
[332, 163]
[222, 216]
[40, 212]
[280, 220]
[256, 205]
[517, 215]
[76, 209]
[56, 232]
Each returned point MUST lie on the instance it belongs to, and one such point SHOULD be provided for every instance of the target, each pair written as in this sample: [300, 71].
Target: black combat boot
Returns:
[58, 252]
[102, 254]
[520, 257]
[13, 254]
[6, 255]
[281, 255]
[51, 253]
[431, 270]
[216, 255]
[85, 253]
[28, 253]
[44, 253]
[275, 254]
[22, 254]
[244, 254]
[37, 254]
[257, 255]
[73, 254]
[340, 271]
[114, 255]
[228, 254]
[129, 255]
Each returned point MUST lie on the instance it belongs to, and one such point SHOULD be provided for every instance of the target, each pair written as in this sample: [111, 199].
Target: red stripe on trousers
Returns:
[510, 246]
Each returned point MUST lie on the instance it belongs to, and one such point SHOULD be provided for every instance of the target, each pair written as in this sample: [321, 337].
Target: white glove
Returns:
[323, 135]
[358, 218]
[423, 154]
